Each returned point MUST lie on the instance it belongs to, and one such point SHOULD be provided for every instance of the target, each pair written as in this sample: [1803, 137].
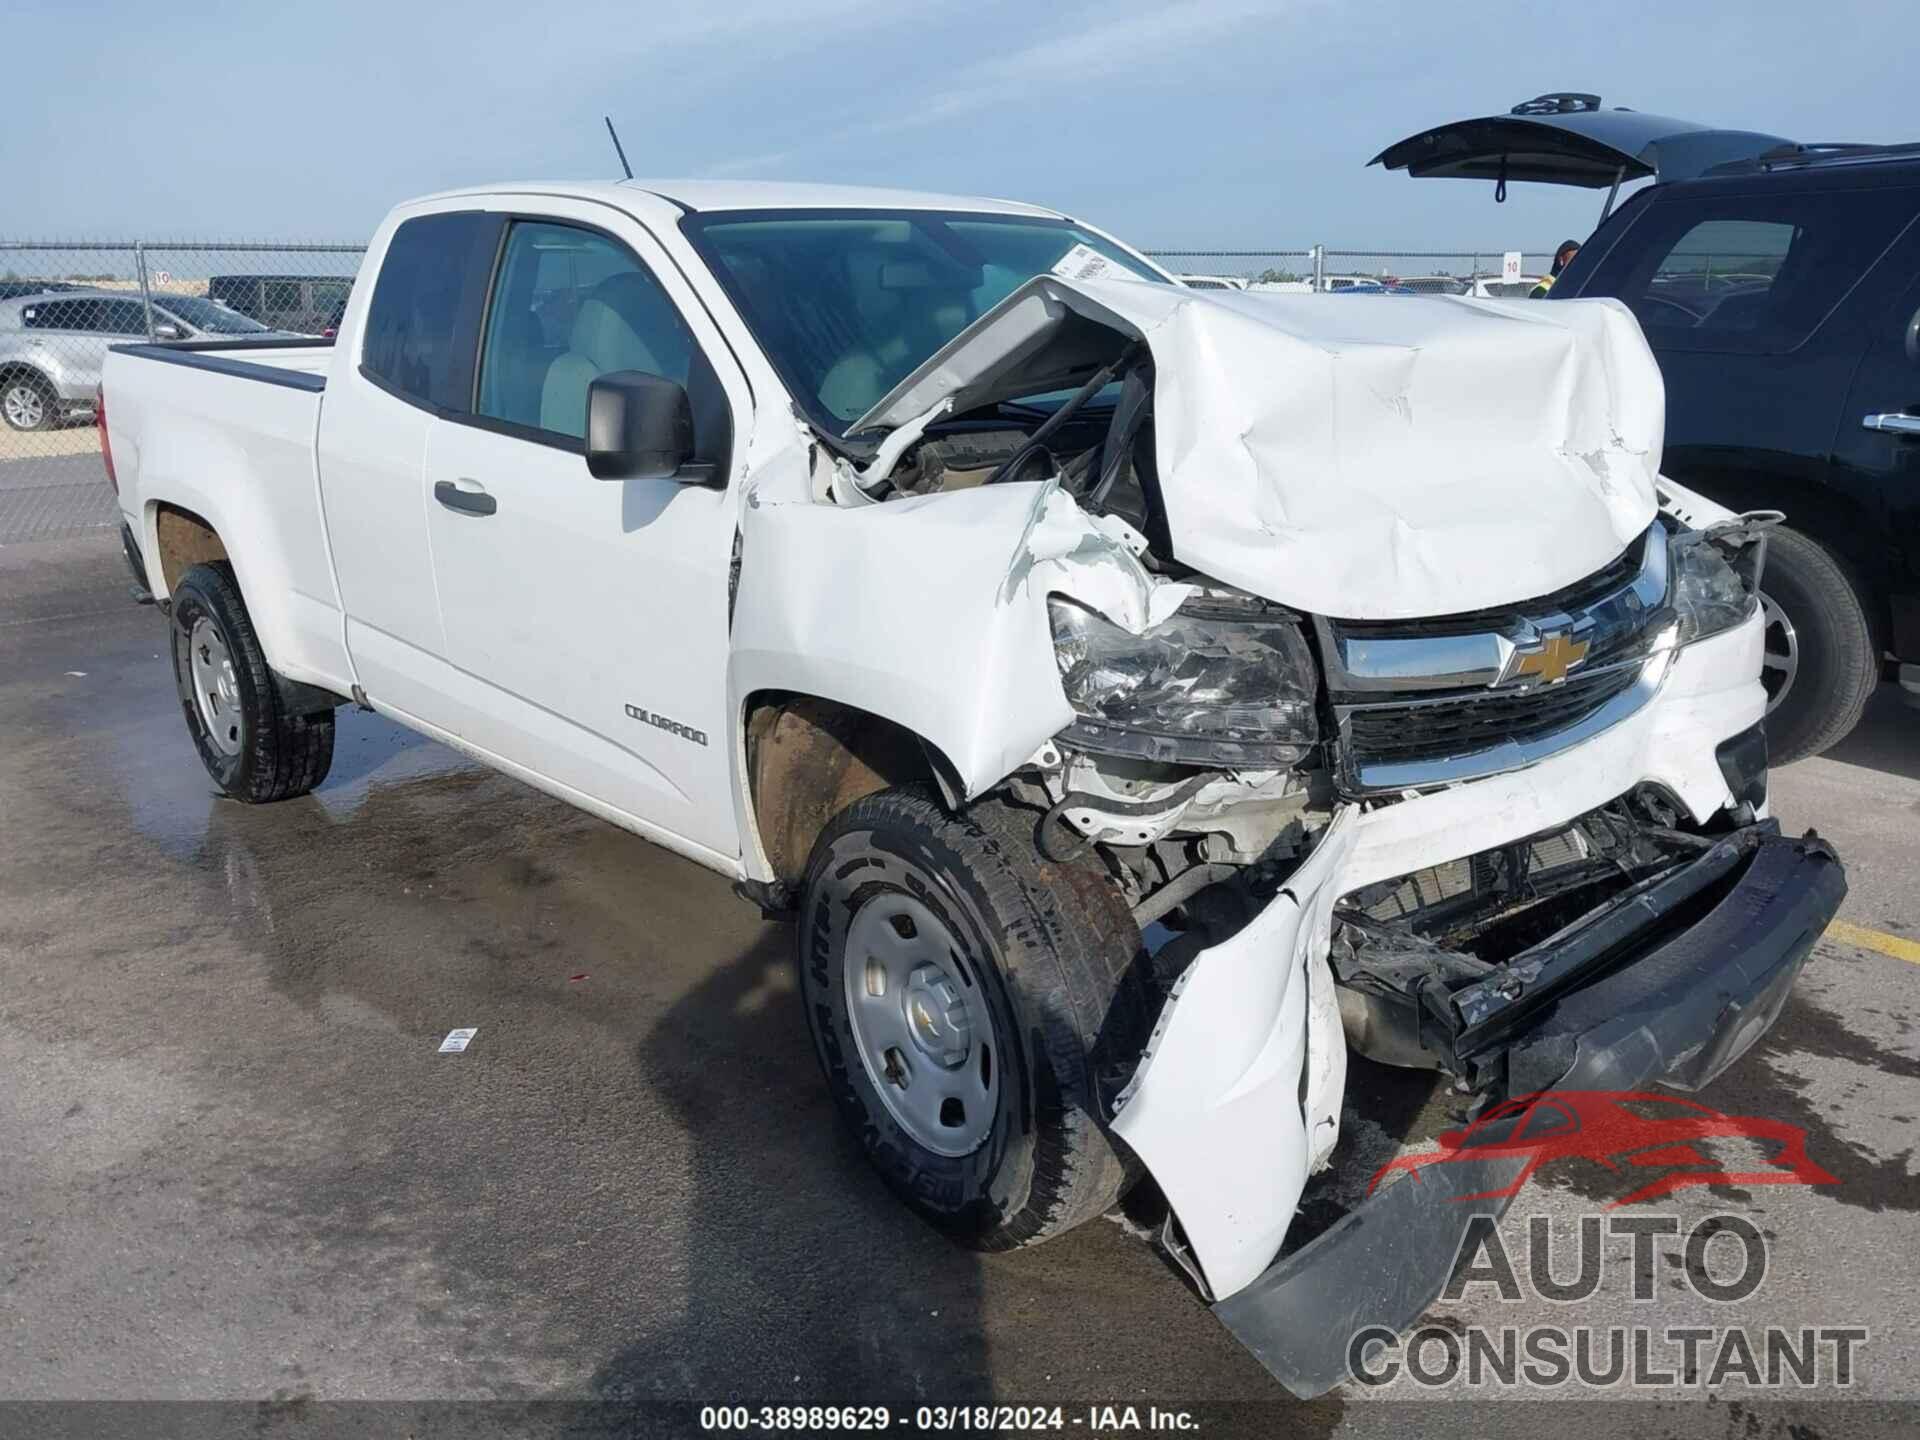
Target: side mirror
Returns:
[167, 330]
[640, 427]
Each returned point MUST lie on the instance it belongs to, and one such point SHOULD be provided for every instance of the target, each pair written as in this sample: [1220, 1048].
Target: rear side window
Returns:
[423, 321]
[1750, 273]
[55, 315]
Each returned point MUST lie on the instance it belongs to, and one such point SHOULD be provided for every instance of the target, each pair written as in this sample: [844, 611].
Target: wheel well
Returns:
[1837, 522]
[17, 367]
[808, 759]
[184, 540]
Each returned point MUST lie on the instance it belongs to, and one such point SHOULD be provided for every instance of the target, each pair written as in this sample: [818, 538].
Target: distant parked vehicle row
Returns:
[52, 345]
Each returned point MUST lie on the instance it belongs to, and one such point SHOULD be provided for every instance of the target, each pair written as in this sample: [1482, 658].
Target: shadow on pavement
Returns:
[1887, 738]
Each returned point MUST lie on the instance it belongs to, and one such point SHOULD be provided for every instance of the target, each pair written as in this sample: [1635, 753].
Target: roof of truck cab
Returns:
[708, 196]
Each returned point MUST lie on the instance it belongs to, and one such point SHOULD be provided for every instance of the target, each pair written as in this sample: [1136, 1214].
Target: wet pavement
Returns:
[232, 1164]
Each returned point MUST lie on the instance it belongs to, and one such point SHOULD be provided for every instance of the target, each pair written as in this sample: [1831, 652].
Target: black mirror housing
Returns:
[639, 427]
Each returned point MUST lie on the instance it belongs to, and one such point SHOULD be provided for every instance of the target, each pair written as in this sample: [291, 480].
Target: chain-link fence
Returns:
[62, 304]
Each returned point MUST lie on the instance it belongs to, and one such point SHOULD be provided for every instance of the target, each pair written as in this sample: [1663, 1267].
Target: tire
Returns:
[254, 749]
[1049, 967]
[1821, 662]
[28, 403]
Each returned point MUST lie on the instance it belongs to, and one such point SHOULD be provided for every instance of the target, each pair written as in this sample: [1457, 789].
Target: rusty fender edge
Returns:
[1679, 1014]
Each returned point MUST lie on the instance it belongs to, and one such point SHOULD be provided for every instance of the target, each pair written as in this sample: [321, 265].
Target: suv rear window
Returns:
[1749, 273]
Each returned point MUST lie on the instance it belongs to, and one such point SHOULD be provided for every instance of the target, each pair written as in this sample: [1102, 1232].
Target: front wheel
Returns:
[254, 749]
[973, 1006]
[1820, 666]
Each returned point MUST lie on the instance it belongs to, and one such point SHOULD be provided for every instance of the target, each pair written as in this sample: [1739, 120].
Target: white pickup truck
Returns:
[1139, 694]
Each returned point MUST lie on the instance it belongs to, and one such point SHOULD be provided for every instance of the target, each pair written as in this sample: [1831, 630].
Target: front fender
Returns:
[930, 612]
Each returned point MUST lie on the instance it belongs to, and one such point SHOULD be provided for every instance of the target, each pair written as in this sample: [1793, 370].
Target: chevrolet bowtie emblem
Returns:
[1558, 653]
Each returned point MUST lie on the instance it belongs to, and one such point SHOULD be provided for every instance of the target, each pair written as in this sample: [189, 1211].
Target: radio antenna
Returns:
[618, 148]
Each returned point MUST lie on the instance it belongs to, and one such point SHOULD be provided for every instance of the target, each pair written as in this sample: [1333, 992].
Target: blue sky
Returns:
[1220, 123]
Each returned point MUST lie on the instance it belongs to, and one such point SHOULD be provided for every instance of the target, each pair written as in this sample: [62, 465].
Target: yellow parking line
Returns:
[1885, 944]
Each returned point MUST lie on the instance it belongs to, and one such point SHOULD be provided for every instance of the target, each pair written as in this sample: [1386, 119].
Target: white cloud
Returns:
[1095, 44]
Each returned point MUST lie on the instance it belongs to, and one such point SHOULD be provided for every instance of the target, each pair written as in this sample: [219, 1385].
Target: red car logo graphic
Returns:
[1626, 1131]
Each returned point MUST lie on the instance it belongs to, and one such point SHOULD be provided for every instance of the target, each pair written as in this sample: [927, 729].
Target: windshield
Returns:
[846, 303]
[209, 315]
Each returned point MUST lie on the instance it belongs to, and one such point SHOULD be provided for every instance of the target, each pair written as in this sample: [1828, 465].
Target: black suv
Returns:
[1780, 291]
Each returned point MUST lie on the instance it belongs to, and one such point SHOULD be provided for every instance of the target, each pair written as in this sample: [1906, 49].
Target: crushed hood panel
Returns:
[1414, 457]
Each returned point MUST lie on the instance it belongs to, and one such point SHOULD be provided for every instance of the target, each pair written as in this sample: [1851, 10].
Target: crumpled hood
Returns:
[1369, 459]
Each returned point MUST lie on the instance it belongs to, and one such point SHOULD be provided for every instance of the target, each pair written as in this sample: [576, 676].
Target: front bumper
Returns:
[1693, 999]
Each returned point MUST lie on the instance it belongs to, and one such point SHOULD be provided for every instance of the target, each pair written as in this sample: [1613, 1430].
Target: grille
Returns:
[1481, 720]
[1610, 579]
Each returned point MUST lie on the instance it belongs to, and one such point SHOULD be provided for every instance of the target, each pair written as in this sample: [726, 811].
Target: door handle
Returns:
[1892, 424]
[467, 502]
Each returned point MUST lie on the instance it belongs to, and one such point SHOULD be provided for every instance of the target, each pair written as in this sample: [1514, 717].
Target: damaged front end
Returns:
[1667, 954]
[1455, 762]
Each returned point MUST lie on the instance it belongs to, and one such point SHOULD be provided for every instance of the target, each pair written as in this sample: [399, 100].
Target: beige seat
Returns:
[859, 376]
[604, 339]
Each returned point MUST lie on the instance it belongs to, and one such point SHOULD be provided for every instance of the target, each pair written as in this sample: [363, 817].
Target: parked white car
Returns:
[1214, 282]
[1492, 287]
[957, 582]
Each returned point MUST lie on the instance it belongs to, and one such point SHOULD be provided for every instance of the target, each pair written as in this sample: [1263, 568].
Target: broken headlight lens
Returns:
[1715, 580]
[1227, 680]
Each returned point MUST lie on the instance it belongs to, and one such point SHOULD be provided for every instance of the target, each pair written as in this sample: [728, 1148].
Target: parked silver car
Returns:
[52, 345]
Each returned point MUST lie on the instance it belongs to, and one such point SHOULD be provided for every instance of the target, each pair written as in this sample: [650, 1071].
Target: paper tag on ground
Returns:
[1083, 262]
[457, 1040]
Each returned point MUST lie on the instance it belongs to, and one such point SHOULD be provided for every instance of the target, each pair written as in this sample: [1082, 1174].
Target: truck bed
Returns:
[298, 364]
[224, 432]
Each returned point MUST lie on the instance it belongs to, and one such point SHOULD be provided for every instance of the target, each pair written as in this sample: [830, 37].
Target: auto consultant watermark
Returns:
[1655, 1145]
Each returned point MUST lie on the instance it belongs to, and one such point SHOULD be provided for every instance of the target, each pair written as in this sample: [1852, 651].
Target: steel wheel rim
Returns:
[921, 1025]
[24, 407]
[216, 689]
[1780, 660]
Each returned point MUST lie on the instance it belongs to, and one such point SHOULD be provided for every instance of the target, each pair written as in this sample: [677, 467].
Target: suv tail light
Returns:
[106, 446]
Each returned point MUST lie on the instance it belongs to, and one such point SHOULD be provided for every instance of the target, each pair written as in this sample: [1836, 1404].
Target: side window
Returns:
[240, 292]
[1752, 273]
[280, 296]
[123, 317]
[55, 315]
[419, 331]
[570, 305]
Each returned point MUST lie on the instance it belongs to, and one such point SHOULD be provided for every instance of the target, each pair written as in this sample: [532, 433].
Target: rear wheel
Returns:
[974, 1007]
[27, 402]
[1820, 665]
[252, 746]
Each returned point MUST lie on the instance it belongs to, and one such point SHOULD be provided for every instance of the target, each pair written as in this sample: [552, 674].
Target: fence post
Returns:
[1319, 269]
[146, 295]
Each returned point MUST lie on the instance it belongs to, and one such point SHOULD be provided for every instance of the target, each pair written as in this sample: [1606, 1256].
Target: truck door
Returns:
[416, 346]
[591, 614]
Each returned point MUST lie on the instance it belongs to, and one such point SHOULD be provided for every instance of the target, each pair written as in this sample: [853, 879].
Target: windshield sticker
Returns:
[1083, 262]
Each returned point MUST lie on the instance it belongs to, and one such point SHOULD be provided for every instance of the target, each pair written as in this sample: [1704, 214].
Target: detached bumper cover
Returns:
[1679, 1013]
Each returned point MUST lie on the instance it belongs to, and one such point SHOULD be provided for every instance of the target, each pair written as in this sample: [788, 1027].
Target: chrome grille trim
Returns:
[1366, 656]
[1360, 775]
[1440, 678]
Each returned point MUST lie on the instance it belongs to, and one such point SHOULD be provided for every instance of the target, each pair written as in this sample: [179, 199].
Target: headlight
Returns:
[1228, 680]
[1715, 578]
